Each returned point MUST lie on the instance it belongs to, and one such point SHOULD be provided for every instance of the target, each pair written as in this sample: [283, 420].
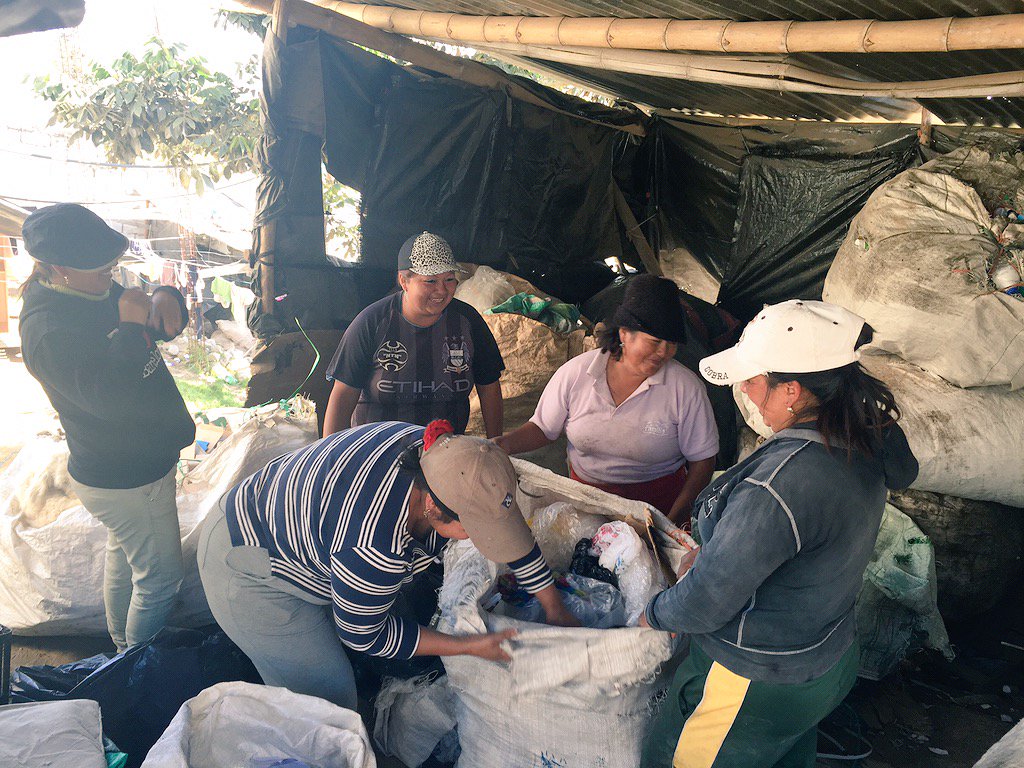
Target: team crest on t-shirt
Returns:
[391, 355]
[456, 355]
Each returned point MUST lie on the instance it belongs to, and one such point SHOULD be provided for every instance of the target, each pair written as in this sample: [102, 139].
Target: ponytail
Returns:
[39, 272]
[853, 407]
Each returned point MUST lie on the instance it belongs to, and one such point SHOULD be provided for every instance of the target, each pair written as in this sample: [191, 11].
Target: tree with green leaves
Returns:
[172, 108]
[167, 106]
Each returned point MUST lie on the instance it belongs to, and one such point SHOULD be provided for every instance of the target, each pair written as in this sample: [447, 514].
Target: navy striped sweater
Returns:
[334, 518]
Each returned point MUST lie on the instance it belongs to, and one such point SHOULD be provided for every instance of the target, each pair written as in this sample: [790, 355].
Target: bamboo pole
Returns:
[633, 232]
[268, 284]
[857, 36]
[774, 76]
[404, 49]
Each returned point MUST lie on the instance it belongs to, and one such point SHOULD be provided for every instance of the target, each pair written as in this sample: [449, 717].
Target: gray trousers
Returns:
[143, 569]
[288, 634]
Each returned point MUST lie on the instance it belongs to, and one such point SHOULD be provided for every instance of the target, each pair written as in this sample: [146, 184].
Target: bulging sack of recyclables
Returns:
[902, 268]
[570, 697]
[52, 550]
[241, 724]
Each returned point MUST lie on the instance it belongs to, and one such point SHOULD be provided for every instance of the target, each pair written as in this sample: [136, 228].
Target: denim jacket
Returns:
[786, 535]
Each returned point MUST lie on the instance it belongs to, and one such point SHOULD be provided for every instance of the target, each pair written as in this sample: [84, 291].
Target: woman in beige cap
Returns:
[312, 550]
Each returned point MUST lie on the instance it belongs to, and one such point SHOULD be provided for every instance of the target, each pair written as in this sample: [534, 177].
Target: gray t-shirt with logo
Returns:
[413, 374]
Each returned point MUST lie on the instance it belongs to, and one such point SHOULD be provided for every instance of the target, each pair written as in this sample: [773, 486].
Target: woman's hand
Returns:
[133, 306]
[165, 315]
[489, 646]
[687, 562]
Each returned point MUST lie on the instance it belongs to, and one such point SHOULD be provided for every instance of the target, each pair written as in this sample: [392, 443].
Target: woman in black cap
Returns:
[638, 423]
[416, 355]
[91, 344]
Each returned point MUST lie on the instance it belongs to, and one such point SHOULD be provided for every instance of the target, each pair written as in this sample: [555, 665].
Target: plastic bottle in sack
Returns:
[1006, 278]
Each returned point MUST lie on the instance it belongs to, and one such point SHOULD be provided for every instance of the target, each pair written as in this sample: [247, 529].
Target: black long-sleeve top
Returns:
[122, 413]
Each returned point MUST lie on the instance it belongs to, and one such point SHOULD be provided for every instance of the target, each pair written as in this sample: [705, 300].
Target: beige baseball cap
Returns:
[797, 336]
[475, 480]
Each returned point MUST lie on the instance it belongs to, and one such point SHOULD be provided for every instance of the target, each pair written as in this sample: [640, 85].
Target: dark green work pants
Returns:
[714, 718]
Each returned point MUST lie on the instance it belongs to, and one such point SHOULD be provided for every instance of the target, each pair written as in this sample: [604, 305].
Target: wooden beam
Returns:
[723, 36]
[635, 235]
[764, 75]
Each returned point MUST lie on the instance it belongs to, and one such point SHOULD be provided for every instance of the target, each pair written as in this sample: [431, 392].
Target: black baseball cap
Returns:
[70, 235]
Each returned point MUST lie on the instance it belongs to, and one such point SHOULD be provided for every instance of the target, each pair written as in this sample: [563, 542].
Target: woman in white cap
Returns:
[785, 537]
[312, 550]
[92, 345]
[417, 354]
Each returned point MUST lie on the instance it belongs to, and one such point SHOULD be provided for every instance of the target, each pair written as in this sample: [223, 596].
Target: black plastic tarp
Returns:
[765, 205]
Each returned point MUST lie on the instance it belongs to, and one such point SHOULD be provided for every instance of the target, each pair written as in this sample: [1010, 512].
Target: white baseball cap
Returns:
[795, 336]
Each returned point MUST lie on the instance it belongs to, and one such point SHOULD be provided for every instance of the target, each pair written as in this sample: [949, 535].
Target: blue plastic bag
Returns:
[139, 691]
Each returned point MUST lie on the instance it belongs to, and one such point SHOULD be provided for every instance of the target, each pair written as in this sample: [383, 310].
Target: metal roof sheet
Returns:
[667, 93]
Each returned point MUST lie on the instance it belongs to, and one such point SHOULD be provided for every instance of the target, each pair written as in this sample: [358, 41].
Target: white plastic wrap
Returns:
[485, 289]
[558, 527]
[413, 716]
[624, 553]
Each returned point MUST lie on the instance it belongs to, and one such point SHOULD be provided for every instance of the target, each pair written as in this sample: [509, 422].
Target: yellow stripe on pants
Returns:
[705, 729]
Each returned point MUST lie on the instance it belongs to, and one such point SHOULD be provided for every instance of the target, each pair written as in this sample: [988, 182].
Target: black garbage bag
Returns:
[139, 691]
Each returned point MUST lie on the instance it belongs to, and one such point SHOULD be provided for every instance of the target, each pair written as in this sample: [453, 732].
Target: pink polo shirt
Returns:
[666, 421]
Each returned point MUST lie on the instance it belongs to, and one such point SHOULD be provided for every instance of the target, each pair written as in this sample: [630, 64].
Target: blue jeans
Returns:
[143, 569]
[288, 634]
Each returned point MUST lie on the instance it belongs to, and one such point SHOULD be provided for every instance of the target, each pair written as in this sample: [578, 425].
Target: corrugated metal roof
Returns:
[667, 93]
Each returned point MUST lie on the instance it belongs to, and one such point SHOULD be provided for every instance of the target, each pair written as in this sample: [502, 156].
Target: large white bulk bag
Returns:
[969, 442]
[51, 560]
[52, 734]
[578, 698]
[899, 269]
[244, 724]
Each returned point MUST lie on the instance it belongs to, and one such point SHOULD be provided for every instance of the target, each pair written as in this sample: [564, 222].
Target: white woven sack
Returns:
[51, 576]
[968, 442]
[238, 723]
[578, 698]
[895, 269]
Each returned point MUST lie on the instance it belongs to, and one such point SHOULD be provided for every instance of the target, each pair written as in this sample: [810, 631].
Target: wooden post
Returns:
[924, 133]
[647, 255]
[279, 25]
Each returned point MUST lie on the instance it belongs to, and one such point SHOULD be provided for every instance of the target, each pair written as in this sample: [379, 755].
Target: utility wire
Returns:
[121, 202]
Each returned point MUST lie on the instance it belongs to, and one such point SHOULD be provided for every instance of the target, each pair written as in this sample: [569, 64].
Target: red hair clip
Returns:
[434, 430]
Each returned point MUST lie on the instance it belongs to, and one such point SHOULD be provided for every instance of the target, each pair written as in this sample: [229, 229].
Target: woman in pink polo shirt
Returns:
[638, 423]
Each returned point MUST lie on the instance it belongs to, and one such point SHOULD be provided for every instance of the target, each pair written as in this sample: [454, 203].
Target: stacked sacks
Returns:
[917, 264]
[52, 549]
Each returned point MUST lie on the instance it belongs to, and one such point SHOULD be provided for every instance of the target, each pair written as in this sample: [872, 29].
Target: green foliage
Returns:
[336, 197]
[166, 106]
[254, 23]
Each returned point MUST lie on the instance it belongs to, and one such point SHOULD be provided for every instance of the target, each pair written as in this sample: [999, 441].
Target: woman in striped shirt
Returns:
[316, 546]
